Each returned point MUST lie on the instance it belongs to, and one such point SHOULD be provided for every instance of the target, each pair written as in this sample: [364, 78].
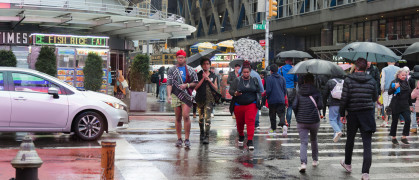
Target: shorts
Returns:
[176, 102]
[386, 99]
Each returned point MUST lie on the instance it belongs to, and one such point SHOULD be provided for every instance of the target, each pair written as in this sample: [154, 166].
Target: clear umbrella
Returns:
[372, 52]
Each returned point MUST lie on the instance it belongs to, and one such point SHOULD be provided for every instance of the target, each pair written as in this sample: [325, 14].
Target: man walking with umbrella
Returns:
[358, 95]
[291, 80]
[181, 79]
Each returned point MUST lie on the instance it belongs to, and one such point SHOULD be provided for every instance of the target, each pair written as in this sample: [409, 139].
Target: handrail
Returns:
[83, 5]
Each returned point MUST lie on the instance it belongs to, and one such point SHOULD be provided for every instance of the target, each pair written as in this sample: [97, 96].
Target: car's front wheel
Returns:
[89, 126]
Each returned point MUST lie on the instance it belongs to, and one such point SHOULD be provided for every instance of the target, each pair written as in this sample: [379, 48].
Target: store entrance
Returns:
[117, 63]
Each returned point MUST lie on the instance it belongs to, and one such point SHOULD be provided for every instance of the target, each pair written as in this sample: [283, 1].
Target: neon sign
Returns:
[70, 40]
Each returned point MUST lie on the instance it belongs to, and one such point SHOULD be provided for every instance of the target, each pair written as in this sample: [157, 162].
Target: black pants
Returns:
[356, 120]
[157, 90]
[395, 121]
[274, 110]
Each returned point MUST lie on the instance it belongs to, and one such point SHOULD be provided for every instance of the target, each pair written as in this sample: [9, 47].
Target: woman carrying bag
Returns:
[401, 104]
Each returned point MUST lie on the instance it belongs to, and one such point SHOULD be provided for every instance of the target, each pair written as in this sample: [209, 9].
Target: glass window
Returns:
[367, 31]
[347, 33]
[382, 29]
[340, 34]
[353, 32]
[415, 26]
[407, 25]
[30, 83]
[1, 82]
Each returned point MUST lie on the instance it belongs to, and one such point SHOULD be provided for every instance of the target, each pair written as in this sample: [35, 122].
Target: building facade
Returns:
[320, 27]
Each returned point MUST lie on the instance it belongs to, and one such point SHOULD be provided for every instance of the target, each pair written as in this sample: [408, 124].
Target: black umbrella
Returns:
[194, 60]
[317, 66]
[412, 52]
[238, 61]
[293, 54]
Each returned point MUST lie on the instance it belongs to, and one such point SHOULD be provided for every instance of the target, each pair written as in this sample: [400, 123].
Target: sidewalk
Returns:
[156, 108]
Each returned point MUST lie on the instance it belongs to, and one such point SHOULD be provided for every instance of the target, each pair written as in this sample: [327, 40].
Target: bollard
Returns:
[27, 161]
[108, 160]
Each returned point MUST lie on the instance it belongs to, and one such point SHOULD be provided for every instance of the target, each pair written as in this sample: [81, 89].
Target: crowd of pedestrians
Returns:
[351, 99]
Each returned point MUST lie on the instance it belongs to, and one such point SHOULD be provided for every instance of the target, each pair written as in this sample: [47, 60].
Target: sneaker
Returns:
[402, 122]
[257, 128]
[365, 176]
[315, 163]
[302, 168]
[404, 141]
[347, 167]
[241, 140]
[284, 131]
[414, 130]
[250, 145]
[212, 115]
[383, 124]
[271, 131]
[395, 142]
[337, 137]
[387, 125]
[187, 144]
[206, 139]
[179, 143]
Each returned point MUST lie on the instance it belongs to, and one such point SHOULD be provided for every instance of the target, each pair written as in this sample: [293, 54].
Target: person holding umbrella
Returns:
[401, 104]
[358, 95]
[291, 81]
[246, 90]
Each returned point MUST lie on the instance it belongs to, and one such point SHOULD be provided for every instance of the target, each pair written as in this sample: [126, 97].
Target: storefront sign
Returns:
[66, 51]
[70, 40]
[224, 57]
[86, 52]
[14, 38]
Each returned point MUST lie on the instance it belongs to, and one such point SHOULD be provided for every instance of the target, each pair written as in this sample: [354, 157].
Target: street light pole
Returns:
[266, 35]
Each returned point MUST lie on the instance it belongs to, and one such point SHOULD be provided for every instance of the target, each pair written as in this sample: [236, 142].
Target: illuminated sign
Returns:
[69, 40]
[14, 38]
[224, 57]
[87, 51]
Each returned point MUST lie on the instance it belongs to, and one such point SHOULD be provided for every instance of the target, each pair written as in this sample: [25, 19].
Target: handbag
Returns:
[315, 104]
[124, 84]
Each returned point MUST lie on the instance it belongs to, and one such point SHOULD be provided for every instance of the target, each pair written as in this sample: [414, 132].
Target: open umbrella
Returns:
[249, 49]
[412, 52]
[194, 60]
[372, 52]
[317, 66]
[238, 61]
[293, 54]
[345, 66]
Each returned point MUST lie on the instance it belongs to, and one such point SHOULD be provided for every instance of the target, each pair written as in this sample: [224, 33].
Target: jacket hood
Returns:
[415, 73]
[307, 90]
[361, 77]
[275, 75]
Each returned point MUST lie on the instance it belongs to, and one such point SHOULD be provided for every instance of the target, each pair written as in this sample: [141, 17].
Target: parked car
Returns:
[31, 101]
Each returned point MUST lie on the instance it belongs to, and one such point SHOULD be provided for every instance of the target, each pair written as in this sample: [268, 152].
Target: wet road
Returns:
[146, 150]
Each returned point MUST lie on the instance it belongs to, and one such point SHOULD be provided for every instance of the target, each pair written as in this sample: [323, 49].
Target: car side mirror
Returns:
[54, 92]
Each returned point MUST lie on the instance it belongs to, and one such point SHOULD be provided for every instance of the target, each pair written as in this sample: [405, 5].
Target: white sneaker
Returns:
[212, 115]
[284, 131]
[315, 163]
[337, 137]
[302, 168]
[365, 176]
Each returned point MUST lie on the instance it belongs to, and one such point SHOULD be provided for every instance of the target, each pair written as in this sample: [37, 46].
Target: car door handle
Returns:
[20, 99]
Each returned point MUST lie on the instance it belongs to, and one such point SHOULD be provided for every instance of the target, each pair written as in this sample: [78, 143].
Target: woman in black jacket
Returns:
[245, 90]
[400, 104]
[306, 107]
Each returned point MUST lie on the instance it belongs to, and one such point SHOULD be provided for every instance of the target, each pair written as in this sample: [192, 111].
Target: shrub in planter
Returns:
[139, 72]
[47, 61]
[7, 58]
[93, 72]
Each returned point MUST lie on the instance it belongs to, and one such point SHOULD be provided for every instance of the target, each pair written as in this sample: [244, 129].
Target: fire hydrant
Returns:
[27, 161]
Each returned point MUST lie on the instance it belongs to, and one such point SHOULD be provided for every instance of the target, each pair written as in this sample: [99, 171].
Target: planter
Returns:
[138, 101]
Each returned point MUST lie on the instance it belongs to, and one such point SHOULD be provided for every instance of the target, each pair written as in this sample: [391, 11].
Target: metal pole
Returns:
[148, 47]
[266, 35]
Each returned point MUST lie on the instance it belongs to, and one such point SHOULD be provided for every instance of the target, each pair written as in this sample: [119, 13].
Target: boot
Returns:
[202, 134]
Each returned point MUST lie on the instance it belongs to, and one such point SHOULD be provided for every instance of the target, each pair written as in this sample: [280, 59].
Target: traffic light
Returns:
[273, 8]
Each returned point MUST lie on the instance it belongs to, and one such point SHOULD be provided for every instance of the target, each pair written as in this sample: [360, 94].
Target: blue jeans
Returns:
[413, 118]
[162, 92]
[291, 94]
[334, 119]
[289, 114]
[257, 119]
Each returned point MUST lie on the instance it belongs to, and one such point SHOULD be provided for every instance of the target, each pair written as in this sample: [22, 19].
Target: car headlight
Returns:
[116, 105]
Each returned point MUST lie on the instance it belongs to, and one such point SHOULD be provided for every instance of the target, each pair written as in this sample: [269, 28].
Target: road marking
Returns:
[340, 144]
[131, 163]
[374, 158]
[361, 150]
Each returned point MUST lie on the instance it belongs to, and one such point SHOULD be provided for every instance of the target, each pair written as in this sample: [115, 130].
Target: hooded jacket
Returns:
[414, 77]
[358, 94]
[290, 79]
[304, 108]
[275, 89]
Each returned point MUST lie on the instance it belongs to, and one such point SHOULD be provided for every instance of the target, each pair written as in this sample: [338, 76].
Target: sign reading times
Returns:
[70, 40]
[14, 38]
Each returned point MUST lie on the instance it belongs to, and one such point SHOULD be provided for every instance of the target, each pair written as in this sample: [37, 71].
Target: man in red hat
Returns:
[181, 80]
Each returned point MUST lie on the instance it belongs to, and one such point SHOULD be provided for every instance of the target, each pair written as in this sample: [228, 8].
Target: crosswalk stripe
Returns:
[361, 150]
[393, 176]
[341, 144]
[327, 158]
[382, 165]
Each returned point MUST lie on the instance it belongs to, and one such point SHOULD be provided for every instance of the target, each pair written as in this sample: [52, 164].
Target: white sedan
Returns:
[31, 101]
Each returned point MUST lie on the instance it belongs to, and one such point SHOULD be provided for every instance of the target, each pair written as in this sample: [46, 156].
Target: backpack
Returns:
[337, 90]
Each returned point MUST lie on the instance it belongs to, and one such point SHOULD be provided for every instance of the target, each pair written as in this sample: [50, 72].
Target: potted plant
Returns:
[47, 61]
[139, 76]
[7, 58]
[93, 72]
